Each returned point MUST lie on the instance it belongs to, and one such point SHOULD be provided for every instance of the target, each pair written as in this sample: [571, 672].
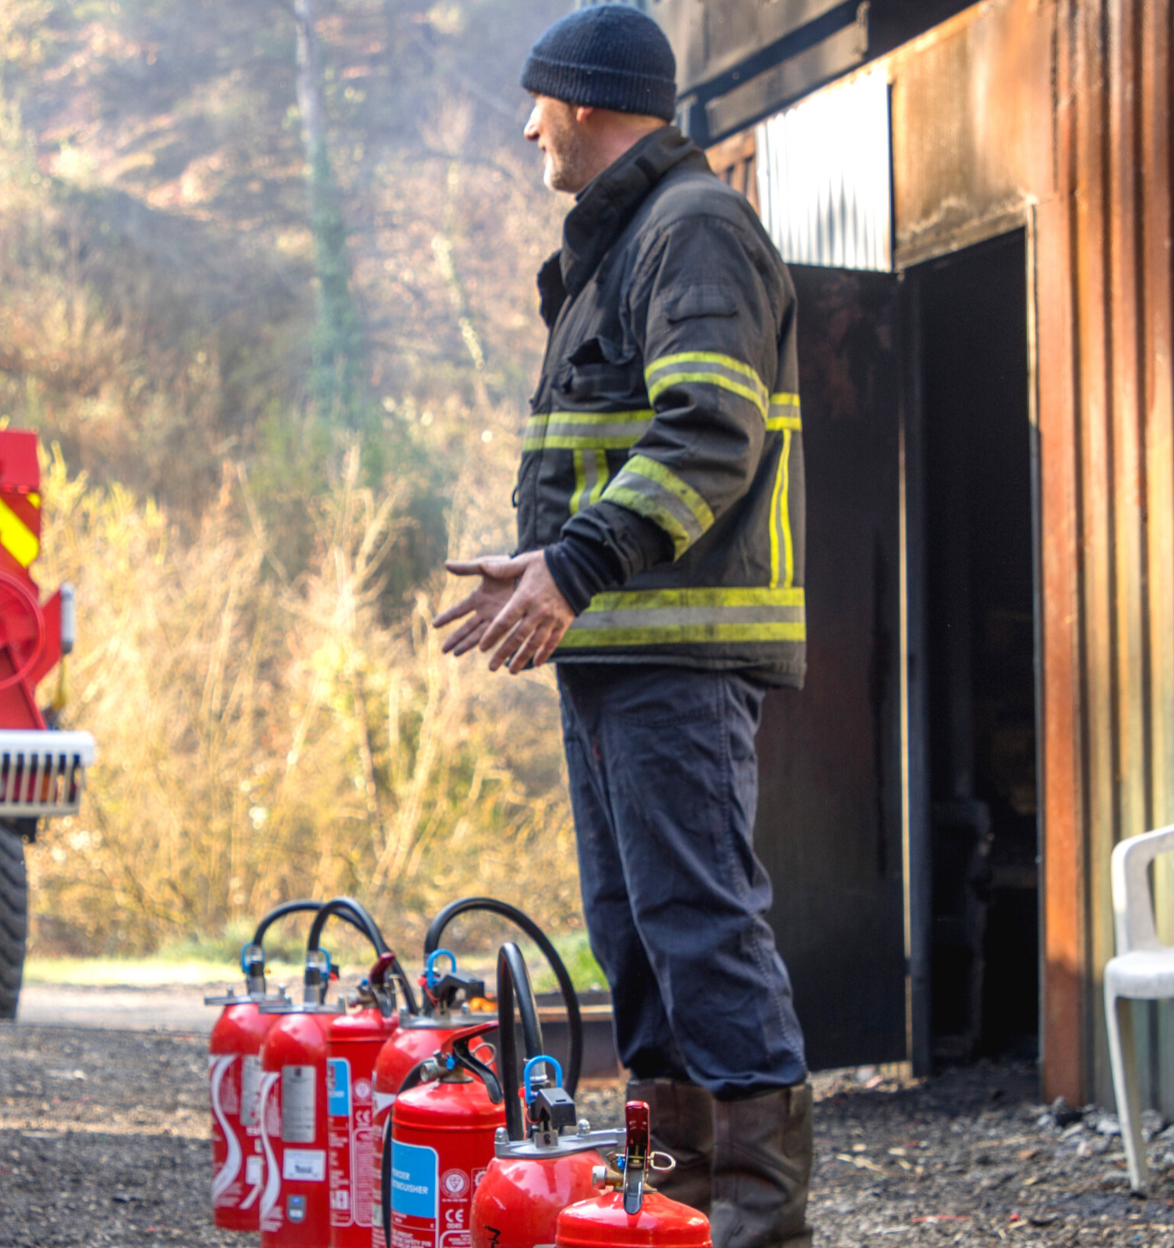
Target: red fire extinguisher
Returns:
[522, 921]
[631, 1215]
[547, 1159]
[354, 1042]
[448, 998]
[443, 1128]
[234, 1084]
[420, 1033]
[295, 1202]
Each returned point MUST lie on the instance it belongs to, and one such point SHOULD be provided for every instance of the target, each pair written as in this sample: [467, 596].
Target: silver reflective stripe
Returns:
[654, 617]
[647, 487]
[580, 431]
[710, 615]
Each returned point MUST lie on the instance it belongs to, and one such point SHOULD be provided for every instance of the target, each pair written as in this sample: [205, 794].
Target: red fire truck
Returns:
[42, 770]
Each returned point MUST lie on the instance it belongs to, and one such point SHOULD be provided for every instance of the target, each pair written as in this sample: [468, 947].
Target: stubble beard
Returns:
[565, 160]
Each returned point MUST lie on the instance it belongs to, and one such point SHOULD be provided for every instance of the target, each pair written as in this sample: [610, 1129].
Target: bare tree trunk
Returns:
[311, 106]
[339, 347]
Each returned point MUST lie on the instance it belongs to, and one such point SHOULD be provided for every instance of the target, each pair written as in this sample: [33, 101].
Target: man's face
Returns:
[553, 125]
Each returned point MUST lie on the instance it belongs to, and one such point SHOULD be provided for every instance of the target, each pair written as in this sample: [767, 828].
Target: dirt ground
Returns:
[104, 1141]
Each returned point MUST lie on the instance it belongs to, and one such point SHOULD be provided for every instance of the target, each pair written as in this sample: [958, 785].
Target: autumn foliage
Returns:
[255, 577]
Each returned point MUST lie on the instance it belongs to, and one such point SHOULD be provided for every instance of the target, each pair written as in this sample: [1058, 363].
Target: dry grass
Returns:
[260, 738]
[273, 716]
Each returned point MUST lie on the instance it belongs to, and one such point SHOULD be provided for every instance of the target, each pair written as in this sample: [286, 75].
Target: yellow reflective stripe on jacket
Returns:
[16, 537]
[709, 368]
[782, 549]
[590, 478]
[784, 412]
[651, 617]
[647, 487]
[784, 416]
[584, 431]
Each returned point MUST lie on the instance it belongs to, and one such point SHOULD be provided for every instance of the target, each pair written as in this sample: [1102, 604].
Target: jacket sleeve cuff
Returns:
[581, 568]
[634, 542]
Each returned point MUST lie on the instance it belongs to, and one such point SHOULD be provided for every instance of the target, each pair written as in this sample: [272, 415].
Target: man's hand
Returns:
[517, 604]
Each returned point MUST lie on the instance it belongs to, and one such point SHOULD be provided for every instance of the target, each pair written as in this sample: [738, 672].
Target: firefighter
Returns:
[660, 563]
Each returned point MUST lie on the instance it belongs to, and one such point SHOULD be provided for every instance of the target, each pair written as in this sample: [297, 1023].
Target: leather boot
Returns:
[763, 1150]
[681, 1116]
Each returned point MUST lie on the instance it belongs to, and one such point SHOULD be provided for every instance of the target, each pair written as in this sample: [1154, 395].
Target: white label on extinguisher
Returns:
[251, 1092]
[299, 1088]
[304, 1165]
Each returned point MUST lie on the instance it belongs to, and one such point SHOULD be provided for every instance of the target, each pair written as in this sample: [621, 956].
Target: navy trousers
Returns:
[664, 786]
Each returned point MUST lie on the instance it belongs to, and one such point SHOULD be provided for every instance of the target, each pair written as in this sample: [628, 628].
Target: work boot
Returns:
[762, 1169]
[681, 1116]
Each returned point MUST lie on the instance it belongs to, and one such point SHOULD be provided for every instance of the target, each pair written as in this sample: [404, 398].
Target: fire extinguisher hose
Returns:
[513, 983]
[490, 905]
[279, 912]
[253, 955]
[350, 911]
[356, 914]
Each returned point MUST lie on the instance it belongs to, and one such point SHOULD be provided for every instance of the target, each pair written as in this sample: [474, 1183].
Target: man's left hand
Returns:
[530, 624]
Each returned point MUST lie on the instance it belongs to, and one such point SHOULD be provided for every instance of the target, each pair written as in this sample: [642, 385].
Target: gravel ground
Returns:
[103, 1141]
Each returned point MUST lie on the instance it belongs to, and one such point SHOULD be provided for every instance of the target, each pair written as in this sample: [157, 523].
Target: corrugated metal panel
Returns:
[824, 177]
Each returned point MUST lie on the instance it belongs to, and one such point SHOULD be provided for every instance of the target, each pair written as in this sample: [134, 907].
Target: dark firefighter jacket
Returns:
[665, 430]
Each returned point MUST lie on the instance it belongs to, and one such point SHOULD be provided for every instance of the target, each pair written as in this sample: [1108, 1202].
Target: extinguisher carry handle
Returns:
[377, 977]
[464, 1058]
[636, 1154]
[455, 1052]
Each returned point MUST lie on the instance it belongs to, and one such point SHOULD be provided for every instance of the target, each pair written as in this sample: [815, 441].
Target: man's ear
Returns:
[583, 111]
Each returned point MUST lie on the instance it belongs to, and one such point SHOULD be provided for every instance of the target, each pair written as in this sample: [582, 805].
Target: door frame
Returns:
[916, 829]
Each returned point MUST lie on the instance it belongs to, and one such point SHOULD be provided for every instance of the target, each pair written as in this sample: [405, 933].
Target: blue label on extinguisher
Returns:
[413, 1180]
[338, 1087]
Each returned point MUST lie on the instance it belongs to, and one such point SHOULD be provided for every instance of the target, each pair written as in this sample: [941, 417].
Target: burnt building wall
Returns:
[1052, 116]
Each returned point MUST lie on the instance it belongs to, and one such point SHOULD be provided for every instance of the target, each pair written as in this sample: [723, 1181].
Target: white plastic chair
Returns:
[1143, 970]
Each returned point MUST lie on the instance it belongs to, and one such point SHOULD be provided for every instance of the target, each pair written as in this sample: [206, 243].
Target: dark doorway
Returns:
[976, 441]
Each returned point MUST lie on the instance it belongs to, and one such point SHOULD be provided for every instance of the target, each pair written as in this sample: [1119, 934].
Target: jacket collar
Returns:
[609, 201]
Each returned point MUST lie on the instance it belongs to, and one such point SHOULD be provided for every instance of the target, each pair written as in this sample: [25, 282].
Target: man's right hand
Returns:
[518, 608]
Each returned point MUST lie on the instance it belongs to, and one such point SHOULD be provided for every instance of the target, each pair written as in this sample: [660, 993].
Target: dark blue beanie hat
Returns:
[608, 56]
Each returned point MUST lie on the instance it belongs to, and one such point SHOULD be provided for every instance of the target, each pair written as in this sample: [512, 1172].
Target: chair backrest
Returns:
[1133, 906]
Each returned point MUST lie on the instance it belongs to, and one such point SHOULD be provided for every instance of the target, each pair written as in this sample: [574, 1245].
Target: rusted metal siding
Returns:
[1158, 460]
[1113, 78]
[1059, 114]
[971, 128]
[1055, 114]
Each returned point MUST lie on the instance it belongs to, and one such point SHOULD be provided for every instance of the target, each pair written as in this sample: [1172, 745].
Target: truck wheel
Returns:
[14, 918]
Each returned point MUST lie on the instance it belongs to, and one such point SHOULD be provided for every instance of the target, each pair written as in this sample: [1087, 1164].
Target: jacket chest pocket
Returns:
[599, 372]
